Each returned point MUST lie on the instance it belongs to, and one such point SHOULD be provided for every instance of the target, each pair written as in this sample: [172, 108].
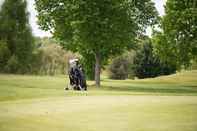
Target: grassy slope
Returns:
[19, 87]
[177, 84]
[30, 103]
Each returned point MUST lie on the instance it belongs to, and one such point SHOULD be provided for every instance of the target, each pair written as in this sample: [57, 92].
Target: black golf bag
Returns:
[77, 78]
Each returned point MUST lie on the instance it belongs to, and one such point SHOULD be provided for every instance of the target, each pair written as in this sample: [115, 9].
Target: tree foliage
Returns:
[49, 58]
[4, 55]
[164, 51]
[15, 32]
[148, 64]
[180, 30]
[103, 28]
[88, 63]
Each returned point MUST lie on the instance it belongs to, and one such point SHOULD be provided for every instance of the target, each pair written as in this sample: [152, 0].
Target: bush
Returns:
[119, 69]
[12, 65]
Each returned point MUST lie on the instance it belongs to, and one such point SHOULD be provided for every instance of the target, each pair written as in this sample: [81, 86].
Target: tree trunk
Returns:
[97, 69]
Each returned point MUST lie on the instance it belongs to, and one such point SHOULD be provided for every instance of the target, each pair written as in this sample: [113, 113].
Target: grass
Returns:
[167, 103]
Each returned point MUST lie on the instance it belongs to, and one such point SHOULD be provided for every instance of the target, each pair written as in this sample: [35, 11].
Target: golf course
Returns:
[38, 103]
[98, 65]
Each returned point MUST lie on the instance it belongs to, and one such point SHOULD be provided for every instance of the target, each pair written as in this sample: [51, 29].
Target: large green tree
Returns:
[180, 30]
[100, 27]
[15, 32]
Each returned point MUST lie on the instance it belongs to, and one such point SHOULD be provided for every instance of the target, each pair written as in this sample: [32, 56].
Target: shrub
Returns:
[12, 65]
[119, 68]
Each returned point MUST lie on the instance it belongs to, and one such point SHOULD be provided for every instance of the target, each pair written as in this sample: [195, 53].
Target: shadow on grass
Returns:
[149, 89]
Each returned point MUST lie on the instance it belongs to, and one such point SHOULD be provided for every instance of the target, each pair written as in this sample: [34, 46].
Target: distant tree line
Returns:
[141, 63]
[16, 40]
[107, 34]
[176, 42]
[173, 47]
[20, 51]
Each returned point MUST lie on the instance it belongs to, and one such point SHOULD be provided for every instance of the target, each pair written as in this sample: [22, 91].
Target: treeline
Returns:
[20, 51]
[123, 50]
[16, 40]
[144, 62]
[47, 58]
[171, 48]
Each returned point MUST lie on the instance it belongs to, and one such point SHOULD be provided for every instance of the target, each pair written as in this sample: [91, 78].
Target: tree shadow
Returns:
[150, 89]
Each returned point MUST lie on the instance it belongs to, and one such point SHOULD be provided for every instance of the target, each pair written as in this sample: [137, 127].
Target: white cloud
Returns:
[160, 6]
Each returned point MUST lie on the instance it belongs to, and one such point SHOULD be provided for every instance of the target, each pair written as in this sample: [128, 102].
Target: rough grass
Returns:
[35, 103]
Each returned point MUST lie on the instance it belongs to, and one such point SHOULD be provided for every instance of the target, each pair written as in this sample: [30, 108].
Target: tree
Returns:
[88, 63]
[148, 64]
[49, 58]
[103, 28]
[4, 55]
[180, 30]
[15, 31]
[165, 52]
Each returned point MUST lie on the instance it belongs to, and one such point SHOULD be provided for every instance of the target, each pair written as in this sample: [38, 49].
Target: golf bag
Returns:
[77, 78]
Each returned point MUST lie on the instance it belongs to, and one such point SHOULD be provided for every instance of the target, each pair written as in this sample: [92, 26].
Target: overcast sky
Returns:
[38, 32]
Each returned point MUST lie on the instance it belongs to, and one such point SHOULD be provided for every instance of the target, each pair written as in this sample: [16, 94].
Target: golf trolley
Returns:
[76, 76]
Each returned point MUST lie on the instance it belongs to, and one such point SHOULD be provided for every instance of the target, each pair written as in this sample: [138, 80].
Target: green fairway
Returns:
[36, 103]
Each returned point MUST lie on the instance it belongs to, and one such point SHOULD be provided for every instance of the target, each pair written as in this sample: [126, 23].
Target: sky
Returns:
[40, 33]
[160, 6]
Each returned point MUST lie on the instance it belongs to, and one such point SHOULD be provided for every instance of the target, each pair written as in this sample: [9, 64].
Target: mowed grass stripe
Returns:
[95, 113]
